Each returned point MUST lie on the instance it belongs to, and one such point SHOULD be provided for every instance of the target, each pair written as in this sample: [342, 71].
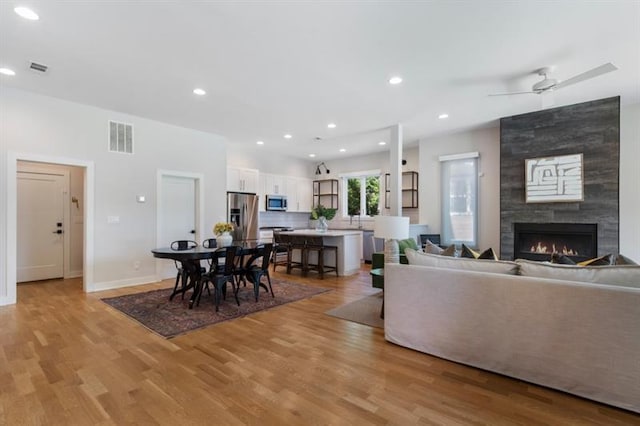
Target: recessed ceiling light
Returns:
[443, 116]
[26, 13]
[7, 71]
[343, 150]
[395, 80]
[382, 143]
[312, 155]
[331, 125]
[199, 92]
[288, 136]
[260, 143]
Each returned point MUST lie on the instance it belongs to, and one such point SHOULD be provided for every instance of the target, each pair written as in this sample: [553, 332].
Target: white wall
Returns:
[485, 141]
[630, 181]
[33, 124]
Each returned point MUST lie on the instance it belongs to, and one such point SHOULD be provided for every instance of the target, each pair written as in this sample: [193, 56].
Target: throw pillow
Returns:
[468, 253]
[622, 260]
[432, 248]
[598, 261]
[472, 254]
[561, 259]
[407, 243]
[434, 260]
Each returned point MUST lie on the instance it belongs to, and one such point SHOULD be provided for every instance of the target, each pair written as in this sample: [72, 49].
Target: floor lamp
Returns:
[391, 229]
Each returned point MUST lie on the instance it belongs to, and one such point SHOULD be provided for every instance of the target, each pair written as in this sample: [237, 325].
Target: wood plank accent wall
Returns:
[591, 128]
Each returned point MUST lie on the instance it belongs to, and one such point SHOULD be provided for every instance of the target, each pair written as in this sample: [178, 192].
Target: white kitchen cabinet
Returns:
[299, 194]
[242, 180]
[274, 184]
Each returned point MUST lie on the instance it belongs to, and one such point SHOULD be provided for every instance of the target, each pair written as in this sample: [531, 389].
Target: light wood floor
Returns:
[67, 358]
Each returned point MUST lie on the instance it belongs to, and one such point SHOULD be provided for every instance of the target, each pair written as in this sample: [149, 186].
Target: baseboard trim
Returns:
[73, 274]
[129, 282]
[4, 301]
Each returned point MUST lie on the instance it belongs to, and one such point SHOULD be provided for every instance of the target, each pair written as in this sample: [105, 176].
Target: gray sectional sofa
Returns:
[578, 337]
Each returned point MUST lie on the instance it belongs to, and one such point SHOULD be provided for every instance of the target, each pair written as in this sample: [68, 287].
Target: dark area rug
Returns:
[172, 318]
[364, 311]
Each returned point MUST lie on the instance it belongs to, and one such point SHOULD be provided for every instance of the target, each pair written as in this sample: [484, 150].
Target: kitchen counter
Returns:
[349, 243]
[328, 233]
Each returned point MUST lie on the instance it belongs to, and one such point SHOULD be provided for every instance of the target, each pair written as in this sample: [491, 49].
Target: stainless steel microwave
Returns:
[277, 203]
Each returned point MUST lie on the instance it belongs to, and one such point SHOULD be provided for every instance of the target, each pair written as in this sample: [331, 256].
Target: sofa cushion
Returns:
[623, 275]
[495, 266]
[429, 247]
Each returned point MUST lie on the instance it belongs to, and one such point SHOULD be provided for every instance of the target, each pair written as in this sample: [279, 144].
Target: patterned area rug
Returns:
[364, 311]
[172, 318]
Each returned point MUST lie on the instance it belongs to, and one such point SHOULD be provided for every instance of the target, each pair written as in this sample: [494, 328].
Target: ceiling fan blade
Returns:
[595, 72]
[510, 93]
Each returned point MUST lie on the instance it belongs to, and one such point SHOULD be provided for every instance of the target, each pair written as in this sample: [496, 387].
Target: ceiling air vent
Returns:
[34, 66]
[120, 137]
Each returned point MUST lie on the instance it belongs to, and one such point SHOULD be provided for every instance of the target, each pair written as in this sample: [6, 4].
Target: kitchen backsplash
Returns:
[290, 219]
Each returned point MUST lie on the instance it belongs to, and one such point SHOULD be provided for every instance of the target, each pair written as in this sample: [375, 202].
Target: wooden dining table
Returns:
[190, 262]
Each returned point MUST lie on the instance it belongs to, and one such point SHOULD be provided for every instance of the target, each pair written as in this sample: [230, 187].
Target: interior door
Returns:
[177, 215]
[40, 233]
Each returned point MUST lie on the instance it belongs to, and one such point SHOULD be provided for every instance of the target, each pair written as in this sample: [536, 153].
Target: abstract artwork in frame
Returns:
[554, 179]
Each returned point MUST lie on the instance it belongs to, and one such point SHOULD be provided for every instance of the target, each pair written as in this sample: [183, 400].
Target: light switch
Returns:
[141, 198]
[113, 219]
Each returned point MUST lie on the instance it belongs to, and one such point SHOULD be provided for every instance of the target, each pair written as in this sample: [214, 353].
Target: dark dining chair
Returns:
[210, 243]
[255, 272]
[182, 276]
[219, 277]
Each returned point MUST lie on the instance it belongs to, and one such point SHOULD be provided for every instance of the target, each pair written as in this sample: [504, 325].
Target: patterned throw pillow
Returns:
[598, 261]
[472, 254]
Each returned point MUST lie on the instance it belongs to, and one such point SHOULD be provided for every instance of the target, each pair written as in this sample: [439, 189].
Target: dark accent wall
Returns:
[591, 128]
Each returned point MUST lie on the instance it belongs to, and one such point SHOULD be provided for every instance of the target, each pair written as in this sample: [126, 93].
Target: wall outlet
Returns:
[136, 265]
[113, 219]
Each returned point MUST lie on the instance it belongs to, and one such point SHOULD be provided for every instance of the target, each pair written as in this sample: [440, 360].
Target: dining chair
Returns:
[254, 273]
[182, 275]
[219, 277]
[210, 243]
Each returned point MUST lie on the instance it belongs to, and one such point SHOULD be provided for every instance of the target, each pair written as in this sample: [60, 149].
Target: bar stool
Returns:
[280, 255]
[296, 242]
[316, 245]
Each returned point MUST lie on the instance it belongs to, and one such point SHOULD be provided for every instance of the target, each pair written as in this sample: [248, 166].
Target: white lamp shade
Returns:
[391, 227]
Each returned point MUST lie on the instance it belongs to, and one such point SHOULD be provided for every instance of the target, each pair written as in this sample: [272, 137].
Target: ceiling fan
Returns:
[548, 84]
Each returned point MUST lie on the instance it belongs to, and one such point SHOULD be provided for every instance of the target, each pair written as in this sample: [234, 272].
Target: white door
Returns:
[177, 215]
[40, 230]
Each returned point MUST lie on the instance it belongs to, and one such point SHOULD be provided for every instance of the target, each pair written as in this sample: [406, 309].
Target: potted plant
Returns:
[222, 231]
[320, 214]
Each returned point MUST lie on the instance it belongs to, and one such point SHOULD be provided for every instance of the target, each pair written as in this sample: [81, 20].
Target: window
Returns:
[362, 192]
[460, 199]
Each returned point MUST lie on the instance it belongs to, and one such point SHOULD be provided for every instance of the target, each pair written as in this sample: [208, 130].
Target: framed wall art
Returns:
[554, 179]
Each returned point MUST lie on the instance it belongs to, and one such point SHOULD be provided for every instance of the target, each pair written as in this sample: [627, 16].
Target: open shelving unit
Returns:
[325, 192]
[409, 190]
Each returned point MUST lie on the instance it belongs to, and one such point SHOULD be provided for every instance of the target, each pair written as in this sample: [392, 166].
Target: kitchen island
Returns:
[349, 243]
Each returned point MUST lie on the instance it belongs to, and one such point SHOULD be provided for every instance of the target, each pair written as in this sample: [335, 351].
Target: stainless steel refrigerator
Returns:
[242, 211]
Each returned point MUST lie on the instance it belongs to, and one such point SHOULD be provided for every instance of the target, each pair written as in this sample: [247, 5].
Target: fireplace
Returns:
[536, 241]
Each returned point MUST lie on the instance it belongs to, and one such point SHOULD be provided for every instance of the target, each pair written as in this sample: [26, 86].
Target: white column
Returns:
[395, 170]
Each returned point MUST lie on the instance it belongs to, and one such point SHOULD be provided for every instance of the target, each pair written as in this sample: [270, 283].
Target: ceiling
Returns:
[271, 68]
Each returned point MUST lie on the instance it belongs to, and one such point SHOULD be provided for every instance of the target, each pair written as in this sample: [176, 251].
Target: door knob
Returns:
[193, 231]
[59, 231]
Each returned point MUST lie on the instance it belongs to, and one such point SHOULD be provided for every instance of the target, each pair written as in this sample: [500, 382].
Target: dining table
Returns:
[189, 260]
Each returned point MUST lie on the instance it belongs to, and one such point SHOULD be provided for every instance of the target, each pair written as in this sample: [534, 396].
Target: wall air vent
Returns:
[34, 66]
[120, 137]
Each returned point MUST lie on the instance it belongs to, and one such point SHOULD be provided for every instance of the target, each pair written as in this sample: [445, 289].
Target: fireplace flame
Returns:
[543, 248]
